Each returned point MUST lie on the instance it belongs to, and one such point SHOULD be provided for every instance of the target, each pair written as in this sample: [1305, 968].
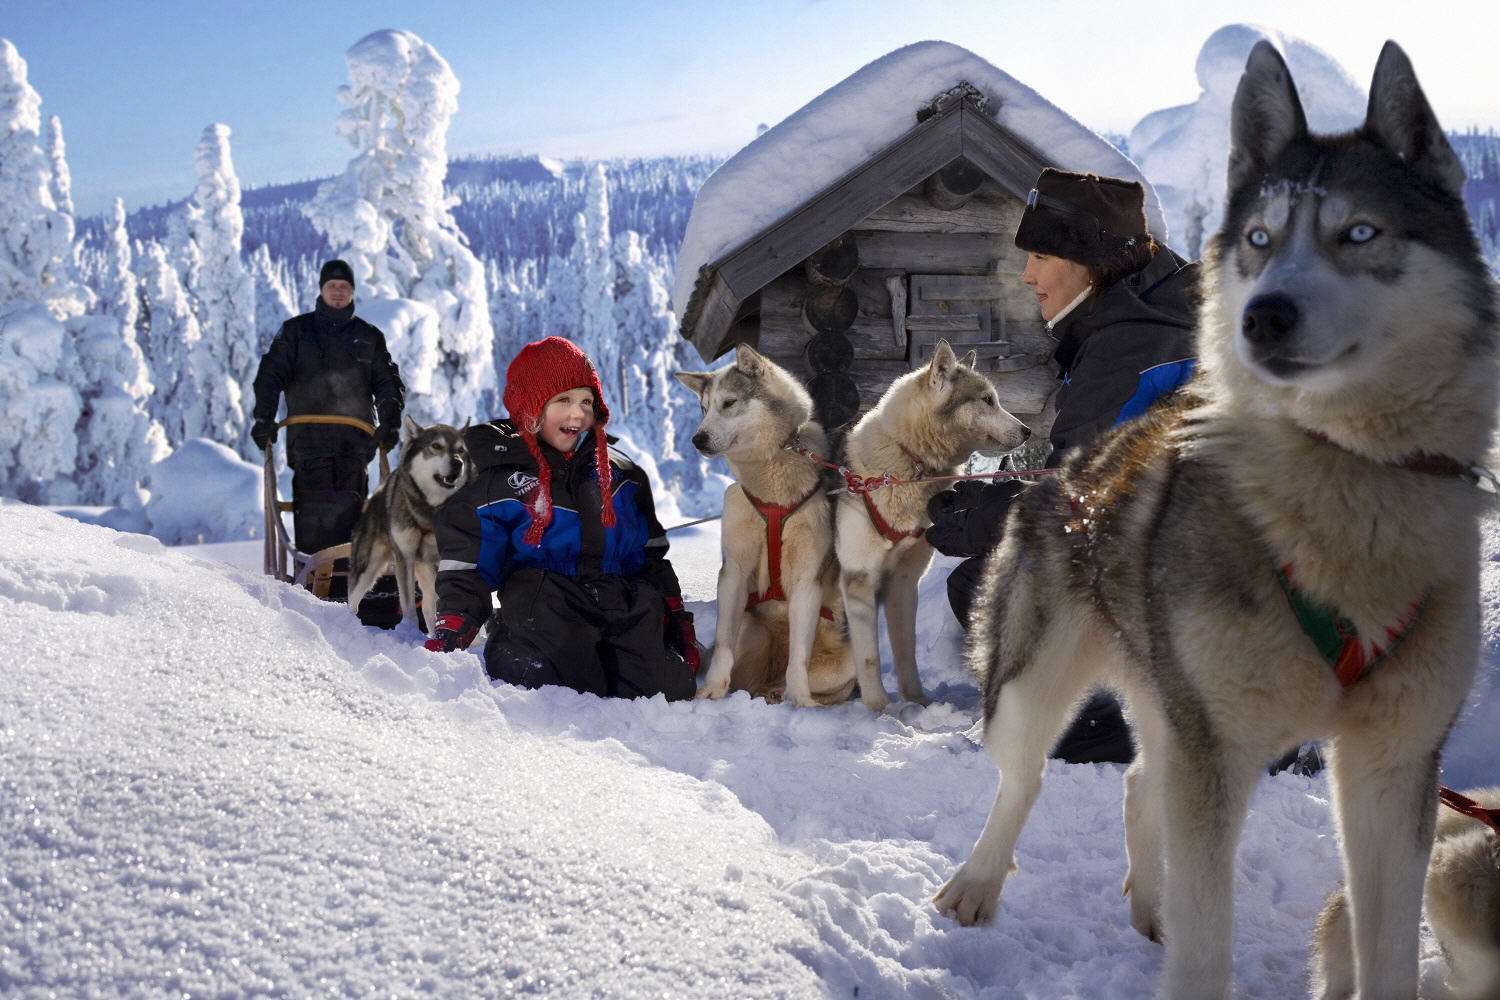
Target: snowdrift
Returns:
[213, 784]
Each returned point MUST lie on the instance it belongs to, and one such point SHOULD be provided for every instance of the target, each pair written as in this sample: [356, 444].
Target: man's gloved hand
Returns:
[263, 433]
[451, 631]
[967, 521]
[681, 638]
[388, 435]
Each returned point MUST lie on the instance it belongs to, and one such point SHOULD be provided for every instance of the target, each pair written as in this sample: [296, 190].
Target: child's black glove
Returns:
[680, 636]
[966, 520]
[451, 632]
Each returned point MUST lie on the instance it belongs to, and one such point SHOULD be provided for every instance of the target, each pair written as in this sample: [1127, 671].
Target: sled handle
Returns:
[355, 422]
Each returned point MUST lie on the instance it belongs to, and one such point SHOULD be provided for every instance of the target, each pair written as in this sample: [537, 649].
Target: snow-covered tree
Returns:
[390, 218]
[61, 184]
[36, 237]
[38, 410]
[171, 347]
[117, 439]
[599, 336]
[223, 293]
[273, 302]
[119, 292]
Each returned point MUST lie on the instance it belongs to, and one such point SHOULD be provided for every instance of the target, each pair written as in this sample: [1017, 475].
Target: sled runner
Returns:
[283, 560]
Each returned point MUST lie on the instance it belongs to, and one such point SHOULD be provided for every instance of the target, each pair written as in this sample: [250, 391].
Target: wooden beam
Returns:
[939, 253]
[885, 176]
[981, 214]
[835, 264]
[829, 310]
[715, 315]
[785, 336]
[1005, 157]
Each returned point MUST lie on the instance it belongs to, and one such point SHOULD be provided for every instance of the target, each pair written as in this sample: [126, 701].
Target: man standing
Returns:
[329, 362]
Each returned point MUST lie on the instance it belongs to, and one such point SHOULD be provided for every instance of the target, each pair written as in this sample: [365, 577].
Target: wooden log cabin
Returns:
[854, 286]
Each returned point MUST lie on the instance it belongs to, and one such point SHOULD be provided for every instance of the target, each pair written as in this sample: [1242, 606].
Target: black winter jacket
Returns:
[329, 361]
[480, 529]
[1117, 353]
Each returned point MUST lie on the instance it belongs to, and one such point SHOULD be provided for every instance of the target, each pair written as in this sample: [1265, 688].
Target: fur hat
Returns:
[1083, 218]
[543, 369]
[335, 270]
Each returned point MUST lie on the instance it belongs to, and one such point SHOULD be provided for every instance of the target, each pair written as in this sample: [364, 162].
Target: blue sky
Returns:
[135, 82]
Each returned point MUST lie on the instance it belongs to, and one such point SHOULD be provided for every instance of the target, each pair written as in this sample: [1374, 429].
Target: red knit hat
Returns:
[543, 369]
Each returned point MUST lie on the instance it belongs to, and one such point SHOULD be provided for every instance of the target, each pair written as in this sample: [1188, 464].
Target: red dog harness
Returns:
[883, 526]
[775, 516]
[1463, 804]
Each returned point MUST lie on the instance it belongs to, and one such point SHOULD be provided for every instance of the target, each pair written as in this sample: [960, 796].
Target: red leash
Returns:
[1463, 804]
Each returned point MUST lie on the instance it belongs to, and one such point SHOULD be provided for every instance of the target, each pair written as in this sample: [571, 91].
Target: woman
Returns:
[1122, 309]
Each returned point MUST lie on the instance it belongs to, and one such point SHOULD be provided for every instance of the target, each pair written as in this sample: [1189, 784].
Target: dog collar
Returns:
[1430, 465]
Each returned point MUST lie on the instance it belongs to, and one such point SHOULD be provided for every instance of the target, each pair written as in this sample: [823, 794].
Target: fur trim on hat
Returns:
[541, 370]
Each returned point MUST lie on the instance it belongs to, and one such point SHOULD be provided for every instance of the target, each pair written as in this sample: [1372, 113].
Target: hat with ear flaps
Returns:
[1083, 217]
[541, 370]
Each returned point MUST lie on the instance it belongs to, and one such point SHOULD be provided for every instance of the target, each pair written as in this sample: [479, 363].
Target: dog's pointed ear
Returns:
[695, 381]
[1400, 119]
[940, 369]
[1266, 116]
[970, 360]
[410, 426]
[748, 360]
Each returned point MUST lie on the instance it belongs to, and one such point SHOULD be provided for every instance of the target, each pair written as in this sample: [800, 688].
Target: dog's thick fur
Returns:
[1462, 902]
[395, 531]
[938, 415]
[751, 411]
[1348, 324]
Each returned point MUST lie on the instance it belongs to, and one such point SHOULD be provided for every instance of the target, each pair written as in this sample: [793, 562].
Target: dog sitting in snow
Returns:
[395, 529]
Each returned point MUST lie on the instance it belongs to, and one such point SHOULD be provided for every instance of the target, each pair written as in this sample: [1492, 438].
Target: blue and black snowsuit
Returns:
[584, 608]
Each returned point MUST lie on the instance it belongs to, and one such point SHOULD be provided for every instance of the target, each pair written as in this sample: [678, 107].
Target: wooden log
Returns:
[989, 212]
[932, 253]
[786, 336]
[830, 352]
[952, 186]
[831, 310]
[836, 398]
[835, 264]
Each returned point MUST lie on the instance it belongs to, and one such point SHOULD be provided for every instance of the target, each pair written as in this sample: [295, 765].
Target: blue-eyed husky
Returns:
[1289, 553]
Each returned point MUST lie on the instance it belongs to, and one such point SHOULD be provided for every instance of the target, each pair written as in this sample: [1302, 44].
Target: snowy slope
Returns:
[210, 783]
[850, 122]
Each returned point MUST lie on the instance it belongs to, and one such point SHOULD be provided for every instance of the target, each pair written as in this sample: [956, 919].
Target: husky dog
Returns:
[772, 632]
[928, 422]
[396, 526]
[1462, 901]
[1347, 345]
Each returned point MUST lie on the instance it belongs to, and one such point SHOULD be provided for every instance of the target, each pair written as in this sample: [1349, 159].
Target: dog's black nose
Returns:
[1269, 319]
[700, 441]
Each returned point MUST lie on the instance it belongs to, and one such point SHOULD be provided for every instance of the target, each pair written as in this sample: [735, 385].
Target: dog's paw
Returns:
[712, 689]
[917, 697]
[875, 700]
[969, 898]
[802, 699]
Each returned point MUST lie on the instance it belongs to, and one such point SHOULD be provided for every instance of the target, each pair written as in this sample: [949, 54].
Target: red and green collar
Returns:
[1337, 639]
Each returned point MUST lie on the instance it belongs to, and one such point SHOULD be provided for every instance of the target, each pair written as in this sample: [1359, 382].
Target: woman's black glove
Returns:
[967, 520]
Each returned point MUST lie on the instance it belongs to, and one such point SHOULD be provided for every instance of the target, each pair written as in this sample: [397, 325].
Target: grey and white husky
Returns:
[1321, 468]
[1462, 903]
[394, 534]
[784, 644]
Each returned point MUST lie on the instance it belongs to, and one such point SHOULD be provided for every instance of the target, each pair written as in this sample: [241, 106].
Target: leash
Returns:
[689, 524]
[864, 485]
[1463, 804]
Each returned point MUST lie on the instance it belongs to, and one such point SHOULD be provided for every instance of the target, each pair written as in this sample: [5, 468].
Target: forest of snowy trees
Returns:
[126, 336]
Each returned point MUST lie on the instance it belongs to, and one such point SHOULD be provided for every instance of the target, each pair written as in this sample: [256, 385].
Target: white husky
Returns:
[928, 423]
[780, 619]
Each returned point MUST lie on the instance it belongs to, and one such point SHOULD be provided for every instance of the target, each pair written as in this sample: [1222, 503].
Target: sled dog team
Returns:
[1284, 550]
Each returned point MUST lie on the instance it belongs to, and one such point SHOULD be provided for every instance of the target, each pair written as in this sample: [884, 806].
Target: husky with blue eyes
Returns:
[1290, 552]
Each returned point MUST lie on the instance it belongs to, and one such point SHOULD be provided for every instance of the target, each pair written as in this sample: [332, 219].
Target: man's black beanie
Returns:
[335, 270]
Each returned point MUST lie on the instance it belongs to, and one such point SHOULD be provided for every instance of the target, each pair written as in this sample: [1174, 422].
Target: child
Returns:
[588, 599]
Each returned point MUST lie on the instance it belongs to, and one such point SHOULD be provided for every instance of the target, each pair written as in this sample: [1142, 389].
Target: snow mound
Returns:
[854, 120]
[1185, 149]
[219, 785]
[204, 492]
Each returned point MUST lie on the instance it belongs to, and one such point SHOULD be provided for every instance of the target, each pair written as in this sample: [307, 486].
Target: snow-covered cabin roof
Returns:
[814, 175]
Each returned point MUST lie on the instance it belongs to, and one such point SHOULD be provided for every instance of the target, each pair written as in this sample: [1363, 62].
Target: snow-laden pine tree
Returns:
[171, 347]
[599, 337]
[662, 416]
[118, 440]
[38, 410]
[36, 237]
[61, 184]
[389, 217]
[516, 309]
[222, 293]
[273, 302]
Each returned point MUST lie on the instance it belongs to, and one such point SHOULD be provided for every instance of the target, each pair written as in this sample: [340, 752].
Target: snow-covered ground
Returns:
[212, 784]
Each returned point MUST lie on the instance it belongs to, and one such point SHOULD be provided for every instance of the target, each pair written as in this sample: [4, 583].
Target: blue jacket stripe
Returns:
[1156, 382]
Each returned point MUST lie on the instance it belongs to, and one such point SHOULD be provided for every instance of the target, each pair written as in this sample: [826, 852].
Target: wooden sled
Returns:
[283, 560]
